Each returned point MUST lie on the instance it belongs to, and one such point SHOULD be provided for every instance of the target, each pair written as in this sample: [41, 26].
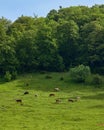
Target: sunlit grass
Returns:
[42, 113]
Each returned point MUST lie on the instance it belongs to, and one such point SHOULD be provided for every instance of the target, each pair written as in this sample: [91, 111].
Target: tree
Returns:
[80, 73]
[26, 52]
[93, 38]
[8, 60]
[67, 36]
[48, 56]
[53, 15]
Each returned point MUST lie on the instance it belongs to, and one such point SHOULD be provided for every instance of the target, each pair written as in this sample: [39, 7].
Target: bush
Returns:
[7, 76]
[80, 73]
[97, 80]
[14, 74]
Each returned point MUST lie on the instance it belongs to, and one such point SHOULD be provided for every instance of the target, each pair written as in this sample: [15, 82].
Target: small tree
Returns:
[80, 73]
[14, 74]
[7, 76]
[97, 80]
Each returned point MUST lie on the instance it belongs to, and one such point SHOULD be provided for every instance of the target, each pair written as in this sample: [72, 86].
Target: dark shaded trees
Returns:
[67, 36]
[93, 45]
[8, 60]
[48, 56]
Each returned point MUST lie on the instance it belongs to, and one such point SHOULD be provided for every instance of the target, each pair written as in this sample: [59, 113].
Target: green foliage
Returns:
[10, 76]
[47, 54]
[80, 73]
[53, 15]
[67, 35]
[97, 80]
[93, 37]
[26, 52]
[7, 76]
[64, 38]
[14, 75]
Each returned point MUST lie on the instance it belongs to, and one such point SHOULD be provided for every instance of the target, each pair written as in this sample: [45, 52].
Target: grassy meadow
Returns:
[42, 112]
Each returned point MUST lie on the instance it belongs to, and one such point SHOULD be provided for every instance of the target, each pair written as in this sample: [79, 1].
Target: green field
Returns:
[42, 112]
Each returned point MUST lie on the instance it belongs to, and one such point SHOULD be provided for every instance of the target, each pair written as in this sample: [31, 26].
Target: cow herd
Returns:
[57, 101]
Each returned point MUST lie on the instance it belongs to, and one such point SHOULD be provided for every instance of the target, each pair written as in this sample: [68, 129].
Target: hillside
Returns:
[42, 112]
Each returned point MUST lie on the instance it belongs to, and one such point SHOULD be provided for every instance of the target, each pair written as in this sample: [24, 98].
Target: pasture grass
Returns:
[42, 113]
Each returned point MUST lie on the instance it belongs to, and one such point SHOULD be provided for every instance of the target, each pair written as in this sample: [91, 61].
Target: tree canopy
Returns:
[64, 38]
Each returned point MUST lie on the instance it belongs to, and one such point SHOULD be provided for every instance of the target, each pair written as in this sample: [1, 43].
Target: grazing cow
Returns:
[35, 95]
[51, 94]
[27, 84]
[71, 100]
[19, 101]
[48, 77]
[77, 98]
[26, 92]
[56, 89]
[61, 78]
[58, 101]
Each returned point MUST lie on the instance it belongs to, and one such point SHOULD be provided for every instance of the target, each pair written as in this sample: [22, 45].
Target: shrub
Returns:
[7, 76]
[97, 80]
[14, 74]
[80, 73]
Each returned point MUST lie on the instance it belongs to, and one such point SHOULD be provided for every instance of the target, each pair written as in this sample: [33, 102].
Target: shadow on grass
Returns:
[49, 85]
[77, 119]
[2, 81]
[40, 82]
[99, 96]
[97, 106]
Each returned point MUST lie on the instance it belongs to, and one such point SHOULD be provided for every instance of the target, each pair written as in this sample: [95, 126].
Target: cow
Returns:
[26, 92]
[19, 101]
[71, 100]
[35, 95]
[56, 89]
[58, 100]
[51, 94]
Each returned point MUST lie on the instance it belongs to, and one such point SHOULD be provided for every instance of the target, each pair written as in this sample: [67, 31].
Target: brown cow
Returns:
[35, 95]
[51, 94]
[71, 100]
[26, 92]
[19, 101]
[58, 100]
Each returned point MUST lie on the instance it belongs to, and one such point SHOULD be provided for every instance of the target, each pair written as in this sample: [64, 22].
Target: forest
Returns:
[65, 38]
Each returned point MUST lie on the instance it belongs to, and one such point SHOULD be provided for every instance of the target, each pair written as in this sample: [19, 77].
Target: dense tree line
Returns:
[64, 38]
